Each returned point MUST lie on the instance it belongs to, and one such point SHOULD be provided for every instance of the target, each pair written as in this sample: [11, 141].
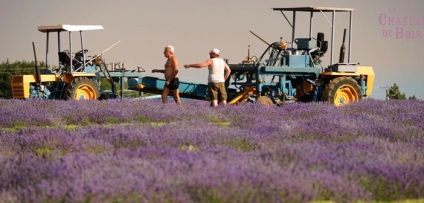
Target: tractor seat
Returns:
[321, 44]
[304, 44]
[321, 48]
[64, 58]
[79, 56]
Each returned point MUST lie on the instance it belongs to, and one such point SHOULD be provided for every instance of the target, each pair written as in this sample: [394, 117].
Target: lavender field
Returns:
[144, 151]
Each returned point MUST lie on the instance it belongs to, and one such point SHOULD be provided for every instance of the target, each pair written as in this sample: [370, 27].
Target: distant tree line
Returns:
[394, 93]
[8, 69]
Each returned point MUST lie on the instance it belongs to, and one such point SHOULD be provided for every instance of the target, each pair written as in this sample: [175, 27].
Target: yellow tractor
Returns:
[77, 76]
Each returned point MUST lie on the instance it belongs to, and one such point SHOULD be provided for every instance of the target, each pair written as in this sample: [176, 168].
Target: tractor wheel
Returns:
[304, 92]
[264, 100]
[342, 90]
[103, 96]
[82, 88]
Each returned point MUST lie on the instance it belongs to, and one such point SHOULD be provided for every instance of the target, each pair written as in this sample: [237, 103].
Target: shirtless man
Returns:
[171, 75]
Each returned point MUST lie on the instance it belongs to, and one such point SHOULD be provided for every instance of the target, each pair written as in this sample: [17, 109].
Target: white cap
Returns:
[215, 51]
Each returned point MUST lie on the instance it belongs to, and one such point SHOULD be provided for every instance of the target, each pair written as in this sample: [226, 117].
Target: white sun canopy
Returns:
[70, 28]
[47, 29]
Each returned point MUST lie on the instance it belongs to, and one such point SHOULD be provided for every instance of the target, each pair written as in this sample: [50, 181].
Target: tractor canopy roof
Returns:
[70, 28]
[47, 29]
[315, 9]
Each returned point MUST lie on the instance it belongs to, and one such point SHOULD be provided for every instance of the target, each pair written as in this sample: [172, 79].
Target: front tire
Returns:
[82, 88]
[341, 91]
[264, 100]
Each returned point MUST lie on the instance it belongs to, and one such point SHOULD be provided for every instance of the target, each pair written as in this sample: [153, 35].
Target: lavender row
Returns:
[392, 120]
[143, 151]
[58, 112]
[301, 172]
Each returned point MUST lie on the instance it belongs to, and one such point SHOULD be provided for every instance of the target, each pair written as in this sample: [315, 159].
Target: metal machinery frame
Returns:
[296, 73]
[285, 72]
[321, 10]
[78, 74]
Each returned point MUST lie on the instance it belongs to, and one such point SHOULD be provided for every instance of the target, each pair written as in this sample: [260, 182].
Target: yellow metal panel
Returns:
[44, 78]
[21, 84]
[369, 73]
[69, 77]
[362, 70]
[327, 74]
[17, 87]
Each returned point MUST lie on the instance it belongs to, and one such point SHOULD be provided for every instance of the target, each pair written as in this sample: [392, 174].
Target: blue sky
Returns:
[387, 34]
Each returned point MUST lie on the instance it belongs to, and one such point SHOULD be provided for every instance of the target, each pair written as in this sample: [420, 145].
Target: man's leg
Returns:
[222, 101]
[165, 93]
[222, 92]
[213, 94]
[176, 94]
[214, 103]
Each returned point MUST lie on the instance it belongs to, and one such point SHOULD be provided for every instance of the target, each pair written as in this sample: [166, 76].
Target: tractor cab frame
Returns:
[319, 44]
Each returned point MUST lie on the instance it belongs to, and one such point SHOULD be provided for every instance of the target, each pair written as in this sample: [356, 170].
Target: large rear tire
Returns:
[341, 91]
[265, 100]
[82, 88]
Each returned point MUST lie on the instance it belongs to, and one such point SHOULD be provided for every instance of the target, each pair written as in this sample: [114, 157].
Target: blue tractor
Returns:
[294, 71]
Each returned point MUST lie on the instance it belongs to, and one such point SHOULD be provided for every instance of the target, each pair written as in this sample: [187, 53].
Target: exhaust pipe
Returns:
[343, 48]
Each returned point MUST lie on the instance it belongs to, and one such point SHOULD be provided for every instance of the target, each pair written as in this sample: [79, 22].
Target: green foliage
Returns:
[105, 84]
[241, 144]
[412, 98]
[7, 70]
[394, 93]
[5, 89]
[43, 151]
[20, 67]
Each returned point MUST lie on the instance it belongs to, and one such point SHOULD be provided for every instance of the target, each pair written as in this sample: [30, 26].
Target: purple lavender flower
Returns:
[143, 151]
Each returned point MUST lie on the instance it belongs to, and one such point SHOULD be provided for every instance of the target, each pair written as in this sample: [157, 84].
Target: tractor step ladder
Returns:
[60, 86]
[103, 68]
